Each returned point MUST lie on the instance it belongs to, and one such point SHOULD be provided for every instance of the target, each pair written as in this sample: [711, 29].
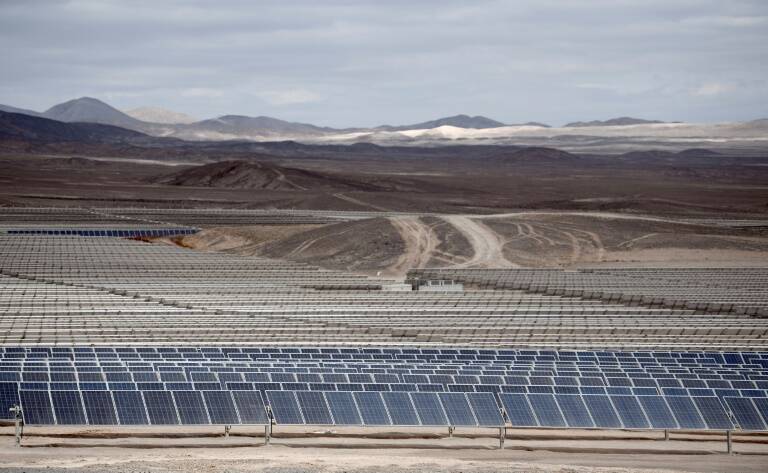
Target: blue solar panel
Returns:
[160, 408]
[762, 407]
[250, 407]
[221, 408]
[285, 408]
[745, 413]
[400, 408]
[457, 409]
[685, 412]
[518, 410]
[429, 409]
[68, 407]
[130, 408]
[314, 408]
[36, 407]
[546, 410]
[486, 409]
[99, 408]
[372, 409]
[343, 408]
[602, 411]
[189, 405]
[657, 411]
[713, 413]
[630, 412]
[9, 397]
[574, 411]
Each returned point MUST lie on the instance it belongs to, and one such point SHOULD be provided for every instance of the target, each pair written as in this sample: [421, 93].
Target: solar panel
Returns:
[372, 409]
[189, 405]
[9, 397]
[546, 410]
[400, 408]
[486, 409]
[518, 410]
[99, 408]
[36, 407]
[745, 413]
[130, 408]
[314, 407]
[250, 407]
[285, 408]
[657, 411]
[630, 412]
[160, 408]
[221, 408]
[713, 413]
[68, 407]
[574, 411]
[343, 408]
[457, 409]
[429, 409]
[762, 407]
[602, 411]
[685, 412]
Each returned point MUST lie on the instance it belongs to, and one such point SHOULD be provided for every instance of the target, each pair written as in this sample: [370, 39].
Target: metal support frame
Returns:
[666, 434]
[450, 432]
[502, 436]
[729, 442]
[18, 423]
[268, 427]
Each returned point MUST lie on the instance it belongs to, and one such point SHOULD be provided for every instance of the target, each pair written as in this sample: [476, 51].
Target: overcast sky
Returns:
[358, 63]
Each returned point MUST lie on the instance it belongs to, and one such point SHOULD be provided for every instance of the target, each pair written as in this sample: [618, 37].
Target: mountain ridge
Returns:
[618, 121]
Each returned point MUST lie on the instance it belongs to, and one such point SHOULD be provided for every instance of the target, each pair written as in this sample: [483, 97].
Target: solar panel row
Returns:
[374, 408]
[105, 233]
[387, 408]
[142, 408]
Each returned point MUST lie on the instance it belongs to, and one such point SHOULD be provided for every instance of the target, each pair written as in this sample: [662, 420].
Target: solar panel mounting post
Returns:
[666, 434]
[226, 430]
[502, 436]
[17, 422]
[450, 432]
[729, 442]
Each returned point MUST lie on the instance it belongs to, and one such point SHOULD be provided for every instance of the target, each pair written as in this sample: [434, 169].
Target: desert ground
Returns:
[353, 450]
[418, 211]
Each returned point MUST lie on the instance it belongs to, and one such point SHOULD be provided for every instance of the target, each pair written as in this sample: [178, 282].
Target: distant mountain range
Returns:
[620, 121]
[607, 136]
[162, 122]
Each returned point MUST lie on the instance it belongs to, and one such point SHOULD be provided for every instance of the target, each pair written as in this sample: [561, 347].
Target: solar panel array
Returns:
[385, 386]
[110, 331]
[68, 289]
[715, 290]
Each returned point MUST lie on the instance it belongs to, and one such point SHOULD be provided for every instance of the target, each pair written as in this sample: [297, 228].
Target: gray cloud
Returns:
[347, 63]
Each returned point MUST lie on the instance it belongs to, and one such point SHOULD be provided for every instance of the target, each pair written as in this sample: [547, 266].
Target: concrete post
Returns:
[666, 434]
[450, 432]
[267, 433]
[502, 436]
[226, 430]
[729, 442]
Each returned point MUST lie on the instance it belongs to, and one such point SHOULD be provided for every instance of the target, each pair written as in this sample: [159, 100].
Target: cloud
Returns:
[289, 97]
[201, 92]
[366, 62]
[711, 88]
